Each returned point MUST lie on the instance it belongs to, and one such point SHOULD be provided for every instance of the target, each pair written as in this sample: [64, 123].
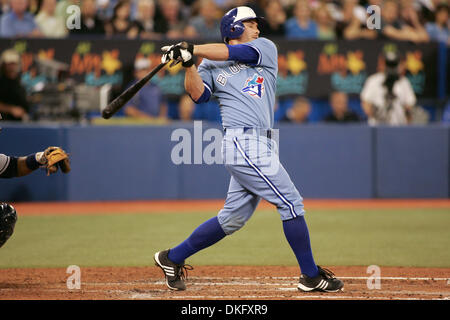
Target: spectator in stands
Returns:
[375, 3]
[205, 24]
[388, 97]
[393, 28]
[186, 108]
[411, 20]
[105, 9]
[34, 6]
[90, 22]
[301, 26]
[275, 19]
[4, 6]
[146, 19]
[13, 99]
[224, 5]
[149, 102]
[351, 23]
[325, 23]
[427, 8]
[170, 20]
[439, 29]
[51, 26]
[121, 24]
[298, 112]
[340, 112]
[256, 5]
[18, 22]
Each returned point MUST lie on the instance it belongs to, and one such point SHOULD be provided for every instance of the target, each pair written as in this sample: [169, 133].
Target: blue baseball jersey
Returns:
[246, 93]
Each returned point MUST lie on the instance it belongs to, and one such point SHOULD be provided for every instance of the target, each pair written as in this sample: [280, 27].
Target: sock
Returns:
[208, 233]
[297, 234]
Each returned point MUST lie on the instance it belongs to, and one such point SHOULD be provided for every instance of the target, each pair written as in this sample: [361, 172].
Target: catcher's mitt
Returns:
[56, 157]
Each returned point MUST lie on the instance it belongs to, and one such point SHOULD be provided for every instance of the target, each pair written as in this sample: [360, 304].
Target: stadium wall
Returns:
[324, 161]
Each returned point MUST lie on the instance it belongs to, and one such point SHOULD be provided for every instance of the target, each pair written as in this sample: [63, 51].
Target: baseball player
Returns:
[242, 74]
[10, 167]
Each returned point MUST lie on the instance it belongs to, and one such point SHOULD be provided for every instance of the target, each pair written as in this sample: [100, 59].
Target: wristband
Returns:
[36, 160]
[31, 162]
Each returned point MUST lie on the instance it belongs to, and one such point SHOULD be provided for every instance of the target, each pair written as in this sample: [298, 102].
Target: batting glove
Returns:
[181, 52]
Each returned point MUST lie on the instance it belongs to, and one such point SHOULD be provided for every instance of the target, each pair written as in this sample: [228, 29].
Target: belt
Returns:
[249, 130]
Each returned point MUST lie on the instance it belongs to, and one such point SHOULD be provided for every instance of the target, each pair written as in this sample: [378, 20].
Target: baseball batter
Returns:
[241, 74]
[52, 158]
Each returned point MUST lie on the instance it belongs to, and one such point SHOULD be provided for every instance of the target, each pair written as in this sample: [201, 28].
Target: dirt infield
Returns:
[48, 208]
[218, 282]
[221, 282]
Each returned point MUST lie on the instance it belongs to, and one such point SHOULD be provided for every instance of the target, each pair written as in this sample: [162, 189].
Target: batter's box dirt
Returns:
[221, 282]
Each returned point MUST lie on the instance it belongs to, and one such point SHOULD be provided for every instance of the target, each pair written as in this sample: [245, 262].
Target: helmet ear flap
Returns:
[236, 30]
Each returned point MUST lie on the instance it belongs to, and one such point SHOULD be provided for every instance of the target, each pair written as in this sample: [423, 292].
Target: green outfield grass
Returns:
[415, 237]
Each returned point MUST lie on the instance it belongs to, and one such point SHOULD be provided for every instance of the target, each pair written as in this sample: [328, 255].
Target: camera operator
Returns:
[388, 97]
[13, 98]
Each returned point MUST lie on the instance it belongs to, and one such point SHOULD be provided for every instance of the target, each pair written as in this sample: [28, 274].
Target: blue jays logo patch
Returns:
[254, 86]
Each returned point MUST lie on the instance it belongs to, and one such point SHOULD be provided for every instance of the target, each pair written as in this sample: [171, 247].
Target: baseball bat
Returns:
[125, 96]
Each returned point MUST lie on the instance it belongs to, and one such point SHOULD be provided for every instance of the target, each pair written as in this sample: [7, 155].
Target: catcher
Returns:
[51, 158]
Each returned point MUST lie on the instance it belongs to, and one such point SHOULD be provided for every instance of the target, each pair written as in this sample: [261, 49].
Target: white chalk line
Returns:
[155, 295]
[279, 286]
[344, 278]
[251, 280]
[83, 290]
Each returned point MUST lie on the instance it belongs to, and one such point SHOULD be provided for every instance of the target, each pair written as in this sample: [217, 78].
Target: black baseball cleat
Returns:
[175, 273]
[325, 281]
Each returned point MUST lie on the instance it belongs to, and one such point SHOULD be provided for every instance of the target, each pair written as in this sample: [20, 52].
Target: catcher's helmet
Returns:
[231, 25]
[8, 218]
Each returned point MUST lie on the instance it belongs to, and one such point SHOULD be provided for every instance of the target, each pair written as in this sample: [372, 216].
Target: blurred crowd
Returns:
[411, 20]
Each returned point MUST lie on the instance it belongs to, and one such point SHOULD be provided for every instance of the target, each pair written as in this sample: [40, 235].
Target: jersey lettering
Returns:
[234, 69]
[222, 80]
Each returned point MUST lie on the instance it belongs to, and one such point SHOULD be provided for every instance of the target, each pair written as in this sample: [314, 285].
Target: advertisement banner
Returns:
[312, 68]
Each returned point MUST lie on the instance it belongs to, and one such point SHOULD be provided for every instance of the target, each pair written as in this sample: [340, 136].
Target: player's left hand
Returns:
[181, 52]
[56, 158]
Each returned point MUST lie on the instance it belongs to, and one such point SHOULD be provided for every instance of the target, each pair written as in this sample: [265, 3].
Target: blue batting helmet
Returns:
[231, 25]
